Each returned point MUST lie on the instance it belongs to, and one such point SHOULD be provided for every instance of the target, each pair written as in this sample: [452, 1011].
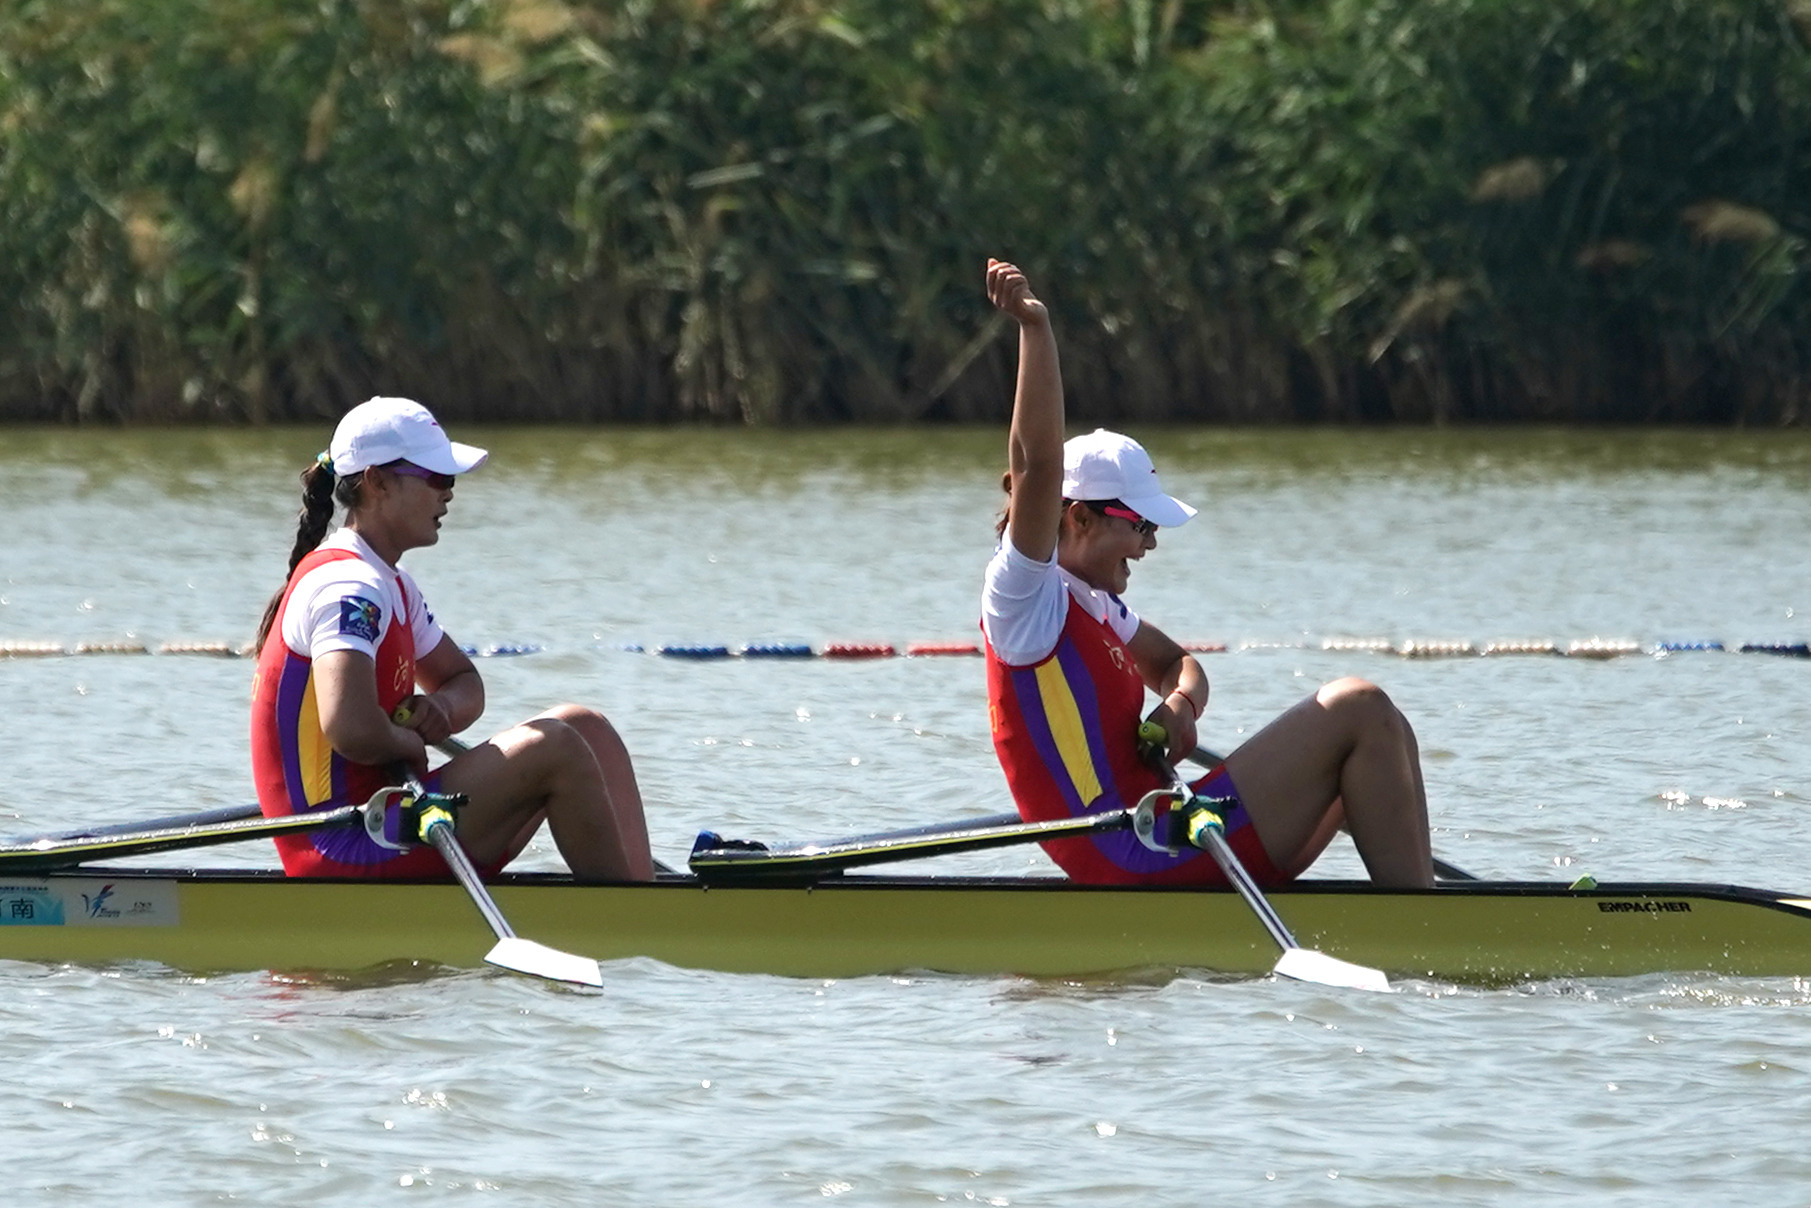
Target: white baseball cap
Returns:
[382, 430]
[1105, 465]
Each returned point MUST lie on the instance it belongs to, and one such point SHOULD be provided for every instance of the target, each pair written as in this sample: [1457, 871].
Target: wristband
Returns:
[1195, 709]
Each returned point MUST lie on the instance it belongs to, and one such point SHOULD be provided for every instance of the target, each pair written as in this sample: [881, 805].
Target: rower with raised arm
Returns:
[1069, 664]
[348, 647]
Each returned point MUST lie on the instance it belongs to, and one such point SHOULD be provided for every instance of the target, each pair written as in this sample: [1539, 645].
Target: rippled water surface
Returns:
[1168, 1087]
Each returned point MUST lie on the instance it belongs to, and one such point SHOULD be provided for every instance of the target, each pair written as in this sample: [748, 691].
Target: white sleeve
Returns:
[1024, 603]
[341, 605]
[423, 628]
[1120, 616]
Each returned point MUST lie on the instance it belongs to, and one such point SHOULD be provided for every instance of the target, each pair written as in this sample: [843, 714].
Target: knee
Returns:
[552, 739]
[593, 727]
[1363, 705]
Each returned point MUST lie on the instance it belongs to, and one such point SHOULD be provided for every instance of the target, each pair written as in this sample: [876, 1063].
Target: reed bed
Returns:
[775, 211]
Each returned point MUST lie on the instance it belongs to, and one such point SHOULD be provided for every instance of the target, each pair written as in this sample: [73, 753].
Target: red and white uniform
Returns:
[342, 596]
[1064, 701]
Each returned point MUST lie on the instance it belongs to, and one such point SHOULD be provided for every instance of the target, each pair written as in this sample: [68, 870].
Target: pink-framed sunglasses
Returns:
[1143, 527]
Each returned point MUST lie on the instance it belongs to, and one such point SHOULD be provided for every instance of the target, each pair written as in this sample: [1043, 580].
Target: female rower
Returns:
[1068, 664]
[347, 642]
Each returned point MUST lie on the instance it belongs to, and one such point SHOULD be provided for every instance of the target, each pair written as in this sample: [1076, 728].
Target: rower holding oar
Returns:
[348, 641]
[1068, 664]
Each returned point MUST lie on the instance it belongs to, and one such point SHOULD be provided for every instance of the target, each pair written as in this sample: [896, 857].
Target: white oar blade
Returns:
[1304, 964]
[538, 960]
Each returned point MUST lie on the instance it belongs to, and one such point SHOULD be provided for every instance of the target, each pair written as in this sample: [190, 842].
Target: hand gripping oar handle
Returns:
[1206, 830]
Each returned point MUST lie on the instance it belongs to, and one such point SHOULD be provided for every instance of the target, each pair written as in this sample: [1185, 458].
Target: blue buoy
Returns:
[1681, 647]
[693, 652]
[776, 650]
[1797, 650]
[508, 649]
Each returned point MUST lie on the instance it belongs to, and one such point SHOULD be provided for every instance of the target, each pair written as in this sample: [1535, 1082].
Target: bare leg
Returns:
[1332, 823]
[1346, 749]
[620, 786]
[546, 768]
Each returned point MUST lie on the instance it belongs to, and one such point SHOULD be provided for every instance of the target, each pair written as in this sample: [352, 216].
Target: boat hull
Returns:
[1484, 932]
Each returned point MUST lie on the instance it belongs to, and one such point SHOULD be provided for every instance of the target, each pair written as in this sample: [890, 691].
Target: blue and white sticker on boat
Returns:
[88, 902]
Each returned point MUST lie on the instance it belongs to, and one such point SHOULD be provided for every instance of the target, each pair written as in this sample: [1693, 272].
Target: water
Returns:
[680, 1086]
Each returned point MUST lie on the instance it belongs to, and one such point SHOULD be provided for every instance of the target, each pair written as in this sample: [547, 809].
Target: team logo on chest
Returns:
[1117, 653]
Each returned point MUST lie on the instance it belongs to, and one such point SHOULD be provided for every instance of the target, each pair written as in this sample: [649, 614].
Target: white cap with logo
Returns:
[382, 430]
[1105, 465]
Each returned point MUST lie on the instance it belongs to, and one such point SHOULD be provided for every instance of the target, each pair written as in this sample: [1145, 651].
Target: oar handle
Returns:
[446, 746]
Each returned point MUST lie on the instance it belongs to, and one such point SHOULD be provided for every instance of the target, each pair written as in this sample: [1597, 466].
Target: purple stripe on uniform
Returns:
[1087, 705]
[1037, 725]
[292, 686]
[336, 776]
[349, 846]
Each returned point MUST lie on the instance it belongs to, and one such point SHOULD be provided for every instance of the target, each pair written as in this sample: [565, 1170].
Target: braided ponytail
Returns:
[319, 489]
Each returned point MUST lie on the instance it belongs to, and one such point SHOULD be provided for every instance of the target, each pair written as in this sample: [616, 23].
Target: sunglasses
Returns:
[440, 482]
[1143, 527]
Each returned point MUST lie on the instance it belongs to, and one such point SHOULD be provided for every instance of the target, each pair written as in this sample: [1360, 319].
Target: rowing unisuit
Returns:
[1065, 700]
[342, 596]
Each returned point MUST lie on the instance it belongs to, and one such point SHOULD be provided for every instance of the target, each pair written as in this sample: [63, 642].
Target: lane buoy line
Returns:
[1416, 648]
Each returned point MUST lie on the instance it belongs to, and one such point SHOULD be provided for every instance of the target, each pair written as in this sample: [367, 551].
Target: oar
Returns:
[717, 859]
[53, 851]
[1205, 831]
[1443, 870]
[510, 951]
[226, 813]
[171, 822]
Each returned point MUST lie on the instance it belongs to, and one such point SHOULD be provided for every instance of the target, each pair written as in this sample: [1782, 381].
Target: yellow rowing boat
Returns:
[854, 924]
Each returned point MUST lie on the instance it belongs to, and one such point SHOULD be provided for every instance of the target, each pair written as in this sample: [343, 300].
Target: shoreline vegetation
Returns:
[776, 212]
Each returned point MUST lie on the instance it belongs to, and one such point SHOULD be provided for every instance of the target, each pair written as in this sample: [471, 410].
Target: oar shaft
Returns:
[1213, 839]
[171, 822]
[1303, 964]
[440, 834]
[226, 813]
[46, 854]
[1222, 852]
[509, 952]
[714, 860]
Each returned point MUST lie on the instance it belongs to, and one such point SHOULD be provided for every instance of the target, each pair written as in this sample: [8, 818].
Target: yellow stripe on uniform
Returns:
[1065, 720]
[314, 756]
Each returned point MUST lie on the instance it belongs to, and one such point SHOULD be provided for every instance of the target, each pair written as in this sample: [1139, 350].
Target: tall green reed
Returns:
[775, 211]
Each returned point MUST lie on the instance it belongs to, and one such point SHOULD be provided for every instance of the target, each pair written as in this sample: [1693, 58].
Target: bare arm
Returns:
[454, 693]
[1034, 449]
[1174, 674]
[354, 721]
